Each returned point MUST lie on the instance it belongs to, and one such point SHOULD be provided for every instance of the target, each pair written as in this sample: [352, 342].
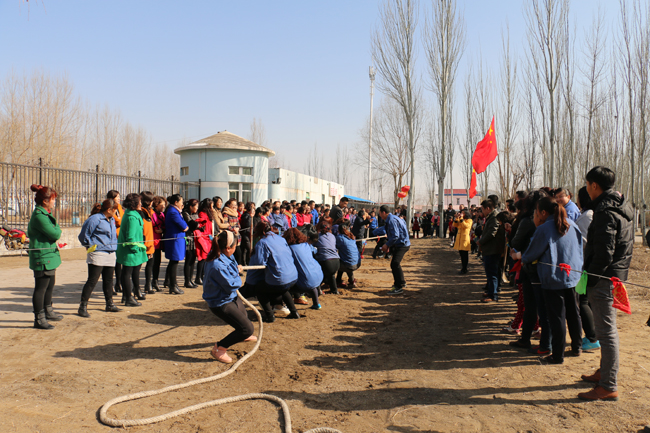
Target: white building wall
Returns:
[298, 186]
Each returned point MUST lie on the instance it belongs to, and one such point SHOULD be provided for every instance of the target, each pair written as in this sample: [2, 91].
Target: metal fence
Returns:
[77, 191]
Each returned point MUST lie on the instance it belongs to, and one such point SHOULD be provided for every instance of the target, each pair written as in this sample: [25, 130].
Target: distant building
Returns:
[459, 197]
[230, 166]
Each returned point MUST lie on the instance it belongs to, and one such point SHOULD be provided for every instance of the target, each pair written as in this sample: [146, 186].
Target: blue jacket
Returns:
[348, 250]
[273, 252]
[326, 247]
[397, 232]
[98, 230]
[572, 211]
[279, 221]
[174, 226]
[221, 281]
[314, 217]
[310, 274]
[373, 224]
[547, 246]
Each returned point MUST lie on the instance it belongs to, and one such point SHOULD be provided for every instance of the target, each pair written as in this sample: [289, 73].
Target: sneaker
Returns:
[395, 291]
[510, 330]
[539, 351]
[281, 309]
[301, 300]
[315, 307]
[589, 346]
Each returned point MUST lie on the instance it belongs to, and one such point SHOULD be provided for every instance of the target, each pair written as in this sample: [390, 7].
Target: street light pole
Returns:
[372, 93]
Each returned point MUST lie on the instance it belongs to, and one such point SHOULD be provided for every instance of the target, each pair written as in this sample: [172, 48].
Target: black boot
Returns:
[83, 312]
[190, 285]
[155, 286]
[51, 315]
[293, 315]
[118, 288]
[111, 308]
[40, 321]
[175, 290]
[166, 282]
[138, 294]
[198, 281]
[148, 289]
[268, 317]
[131, 302]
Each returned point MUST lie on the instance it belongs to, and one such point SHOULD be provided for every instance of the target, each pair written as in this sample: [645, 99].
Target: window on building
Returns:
[185, 171]
[241, 191]
[243, 171]
[457, 201]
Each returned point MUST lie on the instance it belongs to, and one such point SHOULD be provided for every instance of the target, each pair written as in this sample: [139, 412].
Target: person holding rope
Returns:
[610, 241]
[43, 232]
[349, 255]
[397, 241]
[131, 251]
[220, 287]
[326, 254]
[310, 274]
[98, 231]
[556, 241]
[272, 284]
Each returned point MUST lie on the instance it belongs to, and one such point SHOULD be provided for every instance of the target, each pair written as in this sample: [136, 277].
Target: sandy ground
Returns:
[432, 360]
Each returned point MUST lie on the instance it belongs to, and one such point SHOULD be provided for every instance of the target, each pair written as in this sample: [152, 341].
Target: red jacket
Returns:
[303, 219]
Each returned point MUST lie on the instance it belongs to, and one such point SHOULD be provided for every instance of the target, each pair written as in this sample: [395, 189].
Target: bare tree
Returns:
[393, 52]
[469, 144]
[545, 20]
[444, 44]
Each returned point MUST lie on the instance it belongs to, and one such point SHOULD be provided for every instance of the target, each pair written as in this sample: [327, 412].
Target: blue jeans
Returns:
[601, 299]
[491, 263]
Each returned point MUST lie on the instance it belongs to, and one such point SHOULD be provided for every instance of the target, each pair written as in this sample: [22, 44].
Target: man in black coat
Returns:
[337, 211]
[610, 241]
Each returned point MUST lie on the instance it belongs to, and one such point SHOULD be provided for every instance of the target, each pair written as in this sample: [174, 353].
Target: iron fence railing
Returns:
[77, 191]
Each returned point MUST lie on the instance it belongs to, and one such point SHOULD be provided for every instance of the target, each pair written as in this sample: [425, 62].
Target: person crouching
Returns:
[220, 292]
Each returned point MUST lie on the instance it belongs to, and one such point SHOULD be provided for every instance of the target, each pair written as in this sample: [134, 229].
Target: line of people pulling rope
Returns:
[122, 236]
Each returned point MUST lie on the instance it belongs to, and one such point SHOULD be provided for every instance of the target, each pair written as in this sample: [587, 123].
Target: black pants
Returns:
[349, 270]
[118, 276]
[562, 310]
[157, 259]
[530, 308]
[170, 273]
[130, 274]
[245, 250]
[43, 288]
[234, 314]
[464, 259]
[445, 226]
[94, 272]
[396, 266]
[188, 266]
[587, 318]
[380, 243]
[200, 267]
[330, 268]
[237, 255]
[269, 295]
[148, 273]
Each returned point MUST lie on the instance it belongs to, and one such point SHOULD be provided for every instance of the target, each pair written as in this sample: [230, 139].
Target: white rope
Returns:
[105, 419]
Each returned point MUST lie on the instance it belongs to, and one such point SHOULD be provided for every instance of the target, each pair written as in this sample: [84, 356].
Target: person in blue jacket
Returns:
[563, 197]
[326, 255]
[314, 212]
[557, 240]
[175, 228]
[310, 274]
[278, 220]
[398, 243]
[99, 236]
[220, 287]
[349, 256]
[272, 284]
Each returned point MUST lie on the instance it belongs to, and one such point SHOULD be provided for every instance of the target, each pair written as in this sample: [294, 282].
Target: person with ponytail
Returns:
[119, 213]
[146, 197]
[190, 215]
[158, 222]
[310, 274]
[175, 228]
[557, 242]
[131, 251]
[220, 286]
[43, 232]
[272, 284]
[99, 236]
[349, 255]
[326, 254]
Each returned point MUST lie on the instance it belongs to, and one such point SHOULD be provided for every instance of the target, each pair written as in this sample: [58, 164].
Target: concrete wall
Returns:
[298, 186]
[211, 167]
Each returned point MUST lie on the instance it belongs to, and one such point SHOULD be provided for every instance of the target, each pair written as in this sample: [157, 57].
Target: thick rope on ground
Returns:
[105, 419]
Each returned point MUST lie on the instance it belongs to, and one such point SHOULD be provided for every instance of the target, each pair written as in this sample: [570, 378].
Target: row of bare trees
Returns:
[41, 116]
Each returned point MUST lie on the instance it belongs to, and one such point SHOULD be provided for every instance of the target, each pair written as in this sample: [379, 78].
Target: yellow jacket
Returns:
[462, 237]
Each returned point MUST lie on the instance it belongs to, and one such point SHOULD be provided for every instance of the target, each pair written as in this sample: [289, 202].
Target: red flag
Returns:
[486, 150]
[621, 301]
[472, 185]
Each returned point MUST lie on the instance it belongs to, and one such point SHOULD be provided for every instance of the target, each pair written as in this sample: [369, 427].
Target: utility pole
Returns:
[372, 93]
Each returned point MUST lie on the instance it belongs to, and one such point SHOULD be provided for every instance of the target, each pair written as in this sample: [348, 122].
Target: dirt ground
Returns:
[432, 360]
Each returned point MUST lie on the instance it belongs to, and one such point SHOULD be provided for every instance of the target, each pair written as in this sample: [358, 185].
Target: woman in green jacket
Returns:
[44, 257]
[131, 250]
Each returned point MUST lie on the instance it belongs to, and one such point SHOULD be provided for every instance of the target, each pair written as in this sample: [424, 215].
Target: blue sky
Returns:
[192, 68]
